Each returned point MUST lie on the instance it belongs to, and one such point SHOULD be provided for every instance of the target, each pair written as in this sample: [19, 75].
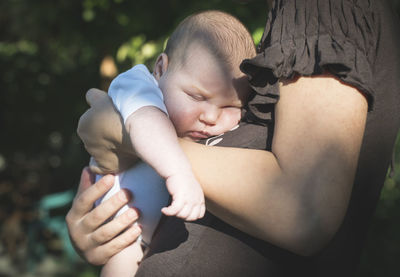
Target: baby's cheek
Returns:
[228, 119]
[178, 123]
[231, 116]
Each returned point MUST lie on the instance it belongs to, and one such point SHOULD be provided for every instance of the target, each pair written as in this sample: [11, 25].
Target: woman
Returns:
[326, 95]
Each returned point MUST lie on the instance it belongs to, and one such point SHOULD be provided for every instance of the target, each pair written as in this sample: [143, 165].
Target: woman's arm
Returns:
[296, 195]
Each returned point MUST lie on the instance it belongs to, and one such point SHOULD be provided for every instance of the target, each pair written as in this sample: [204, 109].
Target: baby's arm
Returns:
[137, 96]
[154, 138]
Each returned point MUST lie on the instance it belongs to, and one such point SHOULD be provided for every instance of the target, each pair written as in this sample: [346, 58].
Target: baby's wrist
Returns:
[181, 173]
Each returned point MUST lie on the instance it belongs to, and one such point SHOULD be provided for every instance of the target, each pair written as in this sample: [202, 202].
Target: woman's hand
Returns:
[95, 241]
[104, 136]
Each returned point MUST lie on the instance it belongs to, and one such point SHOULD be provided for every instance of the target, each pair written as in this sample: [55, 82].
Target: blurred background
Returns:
[51, 53]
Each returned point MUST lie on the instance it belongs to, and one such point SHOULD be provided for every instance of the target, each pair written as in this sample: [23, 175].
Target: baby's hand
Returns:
[187, 197]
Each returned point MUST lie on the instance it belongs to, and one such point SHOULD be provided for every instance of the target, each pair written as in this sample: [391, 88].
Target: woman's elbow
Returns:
[312, 236]
[304, 233]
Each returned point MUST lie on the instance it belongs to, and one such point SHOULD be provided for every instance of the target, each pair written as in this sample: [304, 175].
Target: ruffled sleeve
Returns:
[307, 37]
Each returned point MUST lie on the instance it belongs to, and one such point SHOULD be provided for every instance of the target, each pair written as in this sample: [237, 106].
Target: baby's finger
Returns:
[185, 212]
[175, 207]
[195, 214]
[202, 210]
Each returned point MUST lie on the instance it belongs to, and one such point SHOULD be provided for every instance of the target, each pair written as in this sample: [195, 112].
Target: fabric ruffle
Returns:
[307, 37]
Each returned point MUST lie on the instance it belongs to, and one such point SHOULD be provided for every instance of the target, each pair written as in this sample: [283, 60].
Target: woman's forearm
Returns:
[246, 188]
[295, 196]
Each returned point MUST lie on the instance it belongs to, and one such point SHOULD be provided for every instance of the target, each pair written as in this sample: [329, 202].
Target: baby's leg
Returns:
[125, 263]
[150, 195]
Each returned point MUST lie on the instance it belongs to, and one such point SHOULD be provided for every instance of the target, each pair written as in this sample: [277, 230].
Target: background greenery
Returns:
[51, 53]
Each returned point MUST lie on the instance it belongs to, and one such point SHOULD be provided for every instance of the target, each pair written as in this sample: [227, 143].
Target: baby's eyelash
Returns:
[196, 97]
[233, 107]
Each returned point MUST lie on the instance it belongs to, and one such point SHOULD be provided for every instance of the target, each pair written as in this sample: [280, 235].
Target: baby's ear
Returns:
[160, 66]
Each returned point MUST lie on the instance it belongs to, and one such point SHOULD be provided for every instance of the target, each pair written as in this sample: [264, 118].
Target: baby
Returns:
[196, 91]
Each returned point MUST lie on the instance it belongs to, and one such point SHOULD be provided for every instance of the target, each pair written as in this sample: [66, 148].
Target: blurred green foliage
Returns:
[382, 251]
[51, 53]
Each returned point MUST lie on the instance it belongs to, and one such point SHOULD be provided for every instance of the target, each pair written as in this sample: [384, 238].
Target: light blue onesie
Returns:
[130, 91]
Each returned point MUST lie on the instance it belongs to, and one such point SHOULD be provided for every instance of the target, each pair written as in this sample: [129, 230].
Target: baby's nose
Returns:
[210, 115]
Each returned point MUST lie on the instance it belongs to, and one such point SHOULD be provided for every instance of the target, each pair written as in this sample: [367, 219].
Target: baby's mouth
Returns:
[198, 135]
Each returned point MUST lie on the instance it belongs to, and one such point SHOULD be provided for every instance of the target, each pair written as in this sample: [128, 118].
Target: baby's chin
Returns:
[188, 138]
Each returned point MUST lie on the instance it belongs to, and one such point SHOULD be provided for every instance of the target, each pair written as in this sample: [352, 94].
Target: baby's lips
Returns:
[198, 135]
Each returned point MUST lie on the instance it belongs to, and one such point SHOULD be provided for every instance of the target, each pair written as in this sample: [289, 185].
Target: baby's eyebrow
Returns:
[237, 104]
[201, 91]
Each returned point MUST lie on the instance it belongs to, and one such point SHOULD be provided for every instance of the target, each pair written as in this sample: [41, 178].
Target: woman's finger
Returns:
[87, 179]
[75, 213]
[111, 229]
[84, 202]
[106, 209]
[109, 249]
[93, 95]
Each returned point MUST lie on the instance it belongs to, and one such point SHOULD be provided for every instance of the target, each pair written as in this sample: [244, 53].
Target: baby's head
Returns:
[221, 34]
[199, 74]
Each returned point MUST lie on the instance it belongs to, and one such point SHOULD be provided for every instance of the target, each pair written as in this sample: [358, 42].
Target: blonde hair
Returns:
[222, 34]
